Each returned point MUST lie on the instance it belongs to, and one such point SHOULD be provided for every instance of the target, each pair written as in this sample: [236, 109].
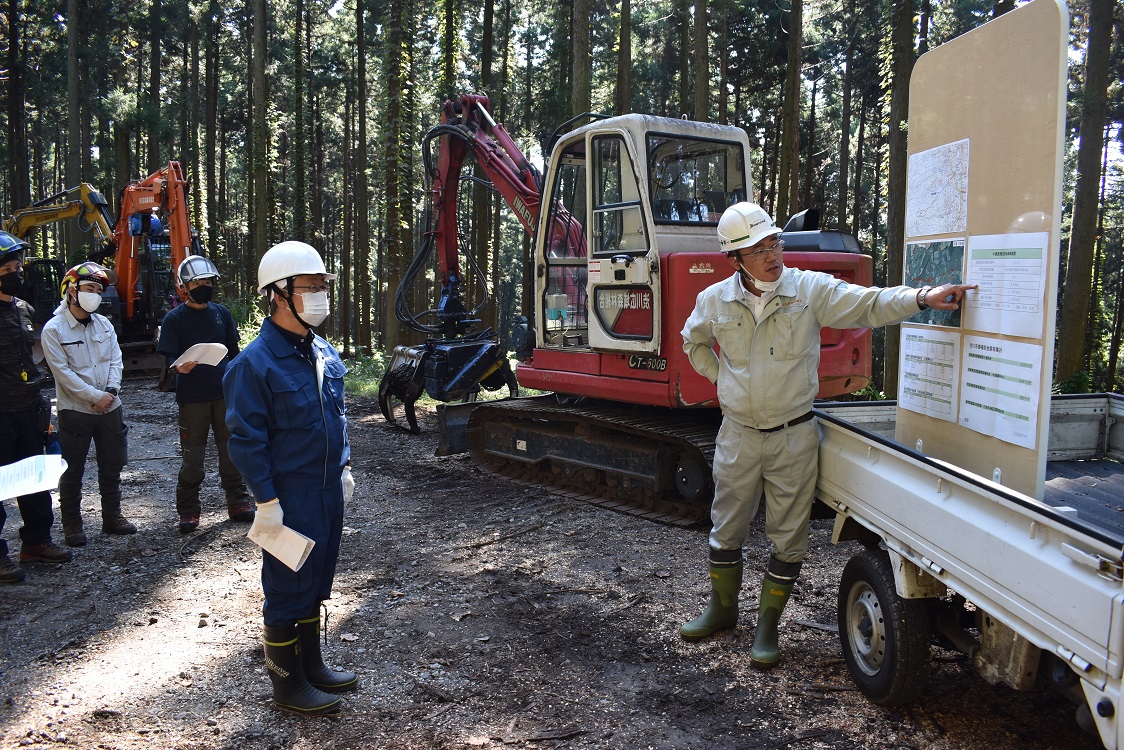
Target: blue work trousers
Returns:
[291, 596]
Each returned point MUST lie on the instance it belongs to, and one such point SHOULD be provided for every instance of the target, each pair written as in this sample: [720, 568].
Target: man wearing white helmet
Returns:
[202, 408]
[288, 437]
[766, 320]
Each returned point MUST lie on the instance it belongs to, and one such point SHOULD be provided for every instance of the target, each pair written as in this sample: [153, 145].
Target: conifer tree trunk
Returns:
[19, 166]
[1073, 321]
[790, 132]
[156, 34]
[902, 67]
[845, 124]
[682, 12]
[210, 126]
[580, 97]
[393, 188]
[362, 201]
[345, 285]
[299, 142]
[622, 95]
[260, 125]
[701, 110]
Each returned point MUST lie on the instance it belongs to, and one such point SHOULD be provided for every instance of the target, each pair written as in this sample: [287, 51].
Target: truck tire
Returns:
[885, 638]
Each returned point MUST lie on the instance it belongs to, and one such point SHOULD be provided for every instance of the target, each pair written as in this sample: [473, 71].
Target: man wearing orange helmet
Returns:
[81, 348]
[21, 434]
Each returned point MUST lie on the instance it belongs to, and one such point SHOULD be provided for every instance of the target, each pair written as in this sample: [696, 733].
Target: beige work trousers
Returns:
[785, 464]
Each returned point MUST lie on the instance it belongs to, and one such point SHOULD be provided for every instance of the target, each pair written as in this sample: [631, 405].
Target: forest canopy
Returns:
[302, 119]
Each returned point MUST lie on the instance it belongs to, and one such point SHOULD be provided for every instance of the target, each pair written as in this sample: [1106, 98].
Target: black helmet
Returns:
[12, 247]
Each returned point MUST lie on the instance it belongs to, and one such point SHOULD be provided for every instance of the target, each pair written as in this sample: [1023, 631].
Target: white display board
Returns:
[983, 198]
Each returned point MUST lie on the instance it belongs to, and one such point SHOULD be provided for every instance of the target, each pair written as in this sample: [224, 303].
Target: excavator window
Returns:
[564, 305]
[619, 223]
[693, 180]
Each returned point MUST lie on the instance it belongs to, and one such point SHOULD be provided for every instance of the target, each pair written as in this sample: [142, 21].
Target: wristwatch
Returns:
[922, 293]
[111, 391]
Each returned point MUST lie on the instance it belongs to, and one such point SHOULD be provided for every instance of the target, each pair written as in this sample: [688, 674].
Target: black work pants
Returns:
[109, 434]
[21, 437]
[197, 420]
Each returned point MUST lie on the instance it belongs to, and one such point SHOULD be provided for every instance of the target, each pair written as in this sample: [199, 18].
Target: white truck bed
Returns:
[1046, 575]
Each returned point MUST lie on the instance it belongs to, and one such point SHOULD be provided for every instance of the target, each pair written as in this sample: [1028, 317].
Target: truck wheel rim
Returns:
[866, 629]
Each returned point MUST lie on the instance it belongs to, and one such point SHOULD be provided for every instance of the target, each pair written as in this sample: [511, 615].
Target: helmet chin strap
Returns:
[289, 301]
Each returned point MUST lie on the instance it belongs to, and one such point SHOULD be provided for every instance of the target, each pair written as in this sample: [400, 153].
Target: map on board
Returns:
[937, 190]
[933, 264]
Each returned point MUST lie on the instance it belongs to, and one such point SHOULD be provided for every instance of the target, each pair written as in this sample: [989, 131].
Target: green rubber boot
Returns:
[775, 590]
[722, 612]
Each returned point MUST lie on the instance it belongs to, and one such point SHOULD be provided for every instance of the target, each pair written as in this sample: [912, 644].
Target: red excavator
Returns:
[626, 243]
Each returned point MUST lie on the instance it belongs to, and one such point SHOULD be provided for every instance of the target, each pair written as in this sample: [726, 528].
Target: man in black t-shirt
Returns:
[199, 391]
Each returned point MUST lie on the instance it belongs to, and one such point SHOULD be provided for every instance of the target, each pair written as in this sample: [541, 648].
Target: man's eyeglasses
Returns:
[314, 288]
[775, 249]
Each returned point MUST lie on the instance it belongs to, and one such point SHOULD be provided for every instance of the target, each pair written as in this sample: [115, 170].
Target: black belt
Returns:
[799, 420]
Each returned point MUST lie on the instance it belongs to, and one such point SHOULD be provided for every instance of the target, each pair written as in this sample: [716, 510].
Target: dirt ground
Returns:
[478, 612]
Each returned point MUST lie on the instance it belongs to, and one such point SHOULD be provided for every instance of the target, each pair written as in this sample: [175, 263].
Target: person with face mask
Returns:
[766, 319]
[288, 436]
[21, 404]
[81, 348]
[202, 408]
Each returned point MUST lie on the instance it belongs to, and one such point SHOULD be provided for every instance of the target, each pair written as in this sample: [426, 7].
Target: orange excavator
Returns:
[151, 237]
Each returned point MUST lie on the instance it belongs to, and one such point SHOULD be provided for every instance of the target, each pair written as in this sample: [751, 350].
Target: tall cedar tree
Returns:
[1072, 346]
[790, 132]
[902, 59]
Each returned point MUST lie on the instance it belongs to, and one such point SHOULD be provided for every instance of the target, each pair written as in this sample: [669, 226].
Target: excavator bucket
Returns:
[404, 380]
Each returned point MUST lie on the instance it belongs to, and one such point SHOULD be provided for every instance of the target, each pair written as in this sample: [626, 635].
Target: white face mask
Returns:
[764, 286]
[89, 301]
[315, 306]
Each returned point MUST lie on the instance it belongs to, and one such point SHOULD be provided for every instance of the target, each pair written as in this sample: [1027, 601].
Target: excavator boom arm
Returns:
[163, 196]
[82, 202]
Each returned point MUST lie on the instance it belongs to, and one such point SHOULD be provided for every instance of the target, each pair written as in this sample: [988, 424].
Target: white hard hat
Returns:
[195, 267]
[744, 225]
[288, 259]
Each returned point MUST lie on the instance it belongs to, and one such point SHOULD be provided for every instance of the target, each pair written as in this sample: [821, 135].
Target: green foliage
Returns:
[248, 318]
[364, 373]
[1078, 382]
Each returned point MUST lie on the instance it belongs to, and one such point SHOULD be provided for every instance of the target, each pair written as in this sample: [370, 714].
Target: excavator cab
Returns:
[619, 189]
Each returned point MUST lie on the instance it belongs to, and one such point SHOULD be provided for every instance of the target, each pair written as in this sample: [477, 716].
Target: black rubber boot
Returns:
[318, 674]
[775, 590]
[725, 586]
[291, 690]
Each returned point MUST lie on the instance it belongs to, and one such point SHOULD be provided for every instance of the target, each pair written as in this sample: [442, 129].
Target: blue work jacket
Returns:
[285, 432]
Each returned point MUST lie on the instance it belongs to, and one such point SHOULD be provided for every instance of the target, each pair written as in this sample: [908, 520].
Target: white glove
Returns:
[348, 483]
[268, 519]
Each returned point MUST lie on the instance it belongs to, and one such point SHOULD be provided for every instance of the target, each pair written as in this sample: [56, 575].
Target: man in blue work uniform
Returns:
[288, 438]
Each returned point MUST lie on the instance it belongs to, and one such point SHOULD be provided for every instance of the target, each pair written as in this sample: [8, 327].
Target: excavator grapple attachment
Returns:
[404, 380]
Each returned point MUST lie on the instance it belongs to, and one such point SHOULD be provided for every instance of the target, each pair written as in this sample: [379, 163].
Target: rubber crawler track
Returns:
[688, 435]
